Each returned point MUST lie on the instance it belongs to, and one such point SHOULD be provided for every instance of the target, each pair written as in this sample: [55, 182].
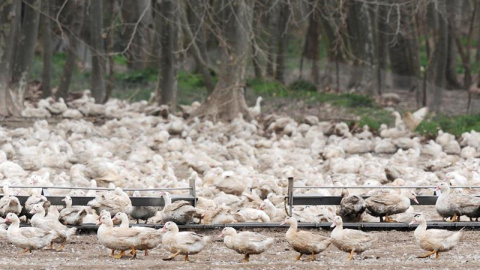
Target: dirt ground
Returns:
[392, 250]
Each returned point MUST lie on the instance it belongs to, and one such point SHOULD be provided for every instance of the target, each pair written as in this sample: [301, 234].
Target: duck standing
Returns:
[246, 243]
[348, 240]
[434, 241]
[28, 238]
[304, 242]
[182, 243]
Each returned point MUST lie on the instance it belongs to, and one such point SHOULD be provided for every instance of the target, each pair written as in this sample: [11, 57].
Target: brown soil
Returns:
[392, 250]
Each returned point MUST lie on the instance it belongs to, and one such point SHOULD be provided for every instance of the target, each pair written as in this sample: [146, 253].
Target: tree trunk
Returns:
[111, 60]
[361, 41]
[381, 48]
[437, 68]
[198, 47]
[454, 13]
[257, 13]
[167, 80]
[9, 18]
[227, 100]
[47, 48]
[24, 51]
[272, 17]
[282, 41]
[98, 52]
[312, 44]
[77, 9]
[134, 14]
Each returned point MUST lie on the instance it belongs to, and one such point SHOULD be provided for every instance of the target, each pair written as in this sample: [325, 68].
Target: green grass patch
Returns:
[268, 88]
[455, 125]
[138, 76]
[348, 100]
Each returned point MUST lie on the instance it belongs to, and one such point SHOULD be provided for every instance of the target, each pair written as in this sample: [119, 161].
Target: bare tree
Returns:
[438, 65]
[227, 100]
[282, 39]
[47, 48]
[167, 80]
[9, 15]
[24, 50]
[98, 52]
[74, 14]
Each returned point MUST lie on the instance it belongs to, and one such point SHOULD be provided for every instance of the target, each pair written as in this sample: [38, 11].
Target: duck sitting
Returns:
[116, 238]
[455, 205]
[72, 215]
[434, 241]
[28, 238]
[180, 212]
[246, 242]
[9, 203]
[348, 240]
[149, 237]
[35, 198]
[142, 212]
[389, 203]
[352, 207]
[39, 220]
[184, 243]
[304, 242]
[116, 201]
[272, 211]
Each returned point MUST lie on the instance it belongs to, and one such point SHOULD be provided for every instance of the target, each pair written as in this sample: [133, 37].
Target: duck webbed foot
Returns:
[172, 257]
[246, 258]
[298, 257]
[427, 254]
[120, 255]
[388, 219]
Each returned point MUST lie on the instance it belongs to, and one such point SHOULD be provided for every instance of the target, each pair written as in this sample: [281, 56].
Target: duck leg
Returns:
[186, 258]
[173, 256]
[146, 252]
[133, 252]
[120, 255]
[388, 219]
[25, 250]
[246, 259]
[298, 257]
[427, 254]
[313, 257]
[454, 218]
[60, 248]
[350, 257]
[113, 252]
[51, 246]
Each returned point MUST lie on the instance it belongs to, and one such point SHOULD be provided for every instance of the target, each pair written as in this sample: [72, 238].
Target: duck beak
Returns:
[412, 222]
[164, 229]
[415, 200]
[261, 207]
[283, 223]
[63, 199]
[437, 188]
[333, 224]
[221, 235]
[32, 211]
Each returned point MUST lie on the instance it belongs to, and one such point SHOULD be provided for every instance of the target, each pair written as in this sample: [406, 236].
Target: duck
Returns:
[182, 243]
[455, 205]
[352, 207]
[272, 211]
[256, 110]
[149, 239]
[39, 220]
[35, 198]
[116, 201]
[9, 203]
[72, 215]
[142, 212]
[348, 240]
[218, 215]
[28, 238]
[251, 215]
[389, 203]
[305, 242]
[116, 238]
[434, 241]
[246, 243]
[180, 212]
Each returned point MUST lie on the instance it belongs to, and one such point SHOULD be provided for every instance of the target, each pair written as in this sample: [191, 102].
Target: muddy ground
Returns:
[392, 250]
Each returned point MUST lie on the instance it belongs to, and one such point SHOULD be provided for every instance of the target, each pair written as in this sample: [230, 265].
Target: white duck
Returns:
[142, 212]
[9, 203]
[116, 238]
[117, 201]
[246, 243]
[149, 239]
[180, 212]
[352, 241]
[182, 243]
[39, 220]
[72, 215]
[434, 241]
[28, 238]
